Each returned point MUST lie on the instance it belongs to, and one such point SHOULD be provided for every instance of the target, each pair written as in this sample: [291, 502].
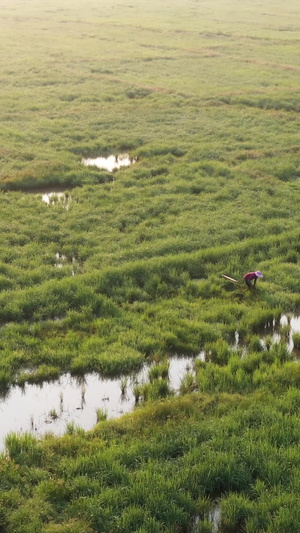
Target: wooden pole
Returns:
[229, 279]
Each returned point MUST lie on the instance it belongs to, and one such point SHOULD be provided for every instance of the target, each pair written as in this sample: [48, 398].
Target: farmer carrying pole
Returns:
[252, 276]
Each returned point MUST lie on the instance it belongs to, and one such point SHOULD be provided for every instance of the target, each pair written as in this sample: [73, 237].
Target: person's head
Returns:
[258, 274]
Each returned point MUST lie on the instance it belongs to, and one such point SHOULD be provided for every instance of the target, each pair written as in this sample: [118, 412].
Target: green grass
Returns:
[205, 96]
[241, 451]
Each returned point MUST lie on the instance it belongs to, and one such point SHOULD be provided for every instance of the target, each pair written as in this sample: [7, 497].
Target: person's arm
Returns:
[254, 282]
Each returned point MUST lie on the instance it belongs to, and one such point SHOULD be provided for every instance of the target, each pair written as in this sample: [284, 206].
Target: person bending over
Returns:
[252, 276]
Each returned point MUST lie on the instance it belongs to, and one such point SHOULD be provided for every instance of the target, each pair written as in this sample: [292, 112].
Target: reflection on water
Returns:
[202, 356]
[110, 163]
[50, 406]
[52, 195]
[60, 259]
[275, 331]
[236, 338]
[281, 333]
[294, 323]
[51, 198]
[215, 517]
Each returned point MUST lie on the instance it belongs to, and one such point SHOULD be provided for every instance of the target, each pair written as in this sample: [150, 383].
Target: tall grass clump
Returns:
[296, 340]
[23, 449]
[156, 389]
[160, 370]
[101, 415]
[235, 512]
[188, 383]
[218, 352]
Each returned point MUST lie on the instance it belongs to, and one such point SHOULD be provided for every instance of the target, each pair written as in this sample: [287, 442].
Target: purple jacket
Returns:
[250, 276]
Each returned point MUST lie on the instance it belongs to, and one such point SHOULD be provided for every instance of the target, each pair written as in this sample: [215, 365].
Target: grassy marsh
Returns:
[205, 97]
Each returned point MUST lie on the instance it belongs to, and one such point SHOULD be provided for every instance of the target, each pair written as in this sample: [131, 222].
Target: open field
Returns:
[125, 268]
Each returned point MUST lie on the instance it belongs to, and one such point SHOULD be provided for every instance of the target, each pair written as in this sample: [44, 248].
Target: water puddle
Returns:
[274, 333]
[59, 260]
[110, 163]
[202, 356]
[214, 517]
[49, 407]
[52, 198]
[294, 323]
[283, 331]
[52, 195]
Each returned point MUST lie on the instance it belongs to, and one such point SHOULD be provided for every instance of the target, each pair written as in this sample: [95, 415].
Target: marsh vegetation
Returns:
[119, 268]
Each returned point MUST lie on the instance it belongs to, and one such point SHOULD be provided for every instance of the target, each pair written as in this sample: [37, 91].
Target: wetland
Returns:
[52, 406]
[146, 149]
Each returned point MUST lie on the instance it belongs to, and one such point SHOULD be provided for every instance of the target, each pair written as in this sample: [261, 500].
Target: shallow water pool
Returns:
[49, 407]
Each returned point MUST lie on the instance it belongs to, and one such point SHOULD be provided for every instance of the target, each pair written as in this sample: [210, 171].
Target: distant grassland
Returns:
[206, 96]
[104, 76]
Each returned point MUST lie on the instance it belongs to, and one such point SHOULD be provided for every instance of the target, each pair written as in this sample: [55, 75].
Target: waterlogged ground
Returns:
[204, 96]
[49, 407]
[53, 405]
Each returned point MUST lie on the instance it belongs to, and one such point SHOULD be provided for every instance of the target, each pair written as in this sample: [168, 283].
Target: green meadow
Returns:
[125, 268]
